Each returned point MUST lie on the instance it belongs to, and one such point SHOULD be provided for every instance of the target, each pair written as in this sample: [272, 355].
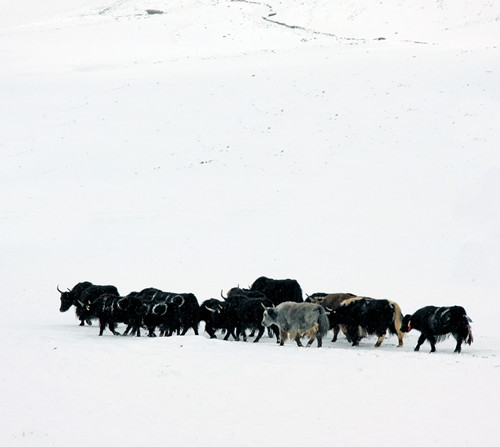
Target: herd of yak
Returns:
[275, 304]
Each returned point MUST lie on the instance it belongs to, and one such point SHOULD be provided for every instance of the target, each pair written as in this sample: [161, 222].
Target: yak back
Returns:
[333, 300]
[279, 290]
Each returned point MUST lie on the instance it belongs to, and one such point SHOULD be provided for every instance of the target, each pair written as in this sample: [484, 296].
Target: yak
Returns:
[110, 309]
[239, 313]
[330, 301]
[436, 323]
[81, 296]
[296, 320]
[208, 310]
[367, 316]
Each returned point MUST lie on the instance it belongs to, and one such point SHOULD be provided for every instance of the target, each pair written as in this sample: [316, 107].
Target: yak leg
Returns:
[230, 331]
[283, 337]
[353, 335]
[276, 331]
[211, 333]
[400, 339]
[236, 337]
[210, 330]
[458, 349]
[336, 331]
[102, 326]
[432, 341]
[320, 340]
[380, 340]
[297, 340]
[243, 332]
[112, 328]
[420, 341]
[259, 334]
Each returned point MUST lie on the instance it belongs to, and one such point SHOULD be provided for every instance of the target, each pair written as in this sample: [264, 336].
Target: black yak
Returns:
[436, 323]
[81, 296]
[362, 315]
[278, 290]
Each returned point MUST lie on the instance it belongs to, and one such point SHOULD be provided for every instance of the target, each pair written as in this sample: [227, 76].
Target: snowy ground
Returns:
[352, 145]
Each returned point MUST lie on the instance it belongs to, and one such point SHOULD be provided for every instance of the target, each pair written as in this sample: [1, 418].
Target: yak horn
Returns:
[59, 290]
[156, 306]
[171, 299]
[211, 310]
[222, 295]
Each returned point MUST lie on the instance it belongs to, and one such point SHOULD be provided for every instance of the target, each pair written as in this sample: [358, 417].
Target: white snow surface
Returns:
[349, 144]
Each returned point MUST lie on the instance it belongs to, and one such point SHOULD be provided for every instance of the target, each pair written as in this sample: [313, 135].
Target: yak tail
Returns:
[324, 324]
[395, 327]
[469, 338]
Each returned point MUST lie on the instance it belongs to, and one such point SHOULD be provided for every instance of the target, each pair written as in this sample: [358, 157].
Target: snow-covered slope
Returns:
[222, 140]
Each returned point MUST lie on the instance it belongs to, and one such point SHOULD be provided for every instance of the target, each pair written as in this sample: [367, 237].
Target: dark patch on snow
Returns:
[154, 11]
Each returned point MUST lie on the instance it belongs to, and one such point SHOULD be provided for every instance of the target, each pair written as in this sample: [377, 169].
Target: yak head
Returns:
[67, 300]
[406, 323]
[217, 313]
[334, 315]
[270, 316]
